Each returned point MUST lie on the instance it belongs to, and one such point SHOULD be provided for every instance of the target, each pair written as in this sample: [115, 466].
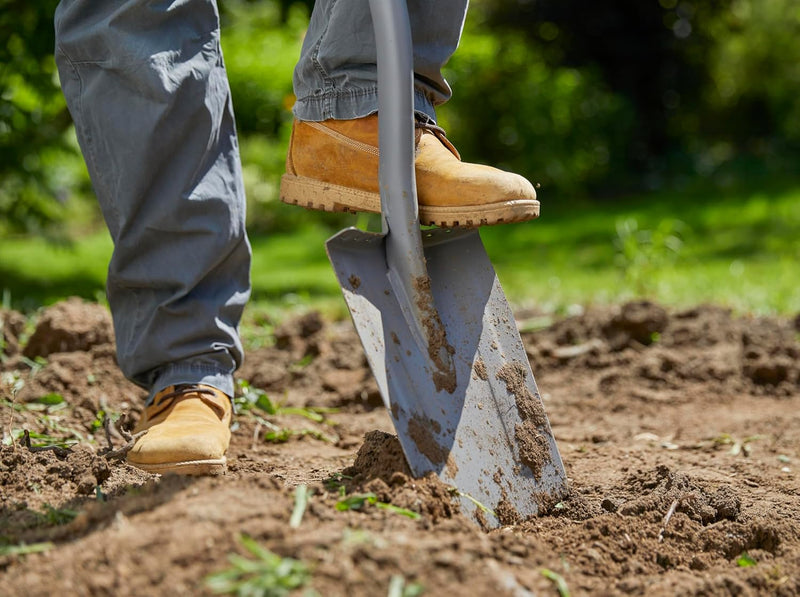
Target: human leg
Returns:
[336, 76]
[147, 89]
[336, 86]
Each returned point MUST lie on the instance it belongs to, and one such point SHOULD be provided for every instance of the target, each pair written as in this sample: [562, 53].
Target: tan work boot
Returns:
[333, 166]
[188, 432]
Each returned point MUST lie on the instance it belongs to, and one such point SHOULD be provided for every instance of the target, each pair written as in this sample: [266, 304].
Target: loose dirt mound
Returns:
[680, 432]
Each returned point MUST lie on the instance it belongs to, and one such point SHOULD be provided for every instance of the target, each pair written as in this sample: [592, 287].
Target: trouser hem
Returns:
[351, 105]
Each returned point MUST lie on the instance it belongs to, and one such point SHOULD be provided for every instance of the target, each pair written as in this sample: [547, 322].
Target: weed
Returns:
[14, 382]
[267, 575]
[358, 501]
[254, 400]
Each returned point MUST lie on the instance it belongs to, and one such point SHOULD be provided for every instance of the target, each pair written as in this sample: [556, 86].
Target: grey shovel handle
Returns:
[396, 139]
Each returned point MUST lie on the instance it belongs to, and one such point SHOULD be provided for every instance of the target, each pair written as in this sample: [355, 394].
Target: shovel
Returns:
[437, 329]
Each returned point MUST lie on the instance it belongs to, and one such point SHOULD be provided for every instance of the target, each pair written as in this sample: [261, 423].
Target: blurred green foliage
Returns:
[261, 43]
[711, 85]
[559, 126]
[590, 99]
[35, 152]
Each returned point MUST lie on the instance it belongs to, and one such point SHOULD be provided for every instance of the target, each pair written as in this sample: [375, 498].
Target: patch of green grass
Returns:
[738, 250]
[734, 248]
[37, 272]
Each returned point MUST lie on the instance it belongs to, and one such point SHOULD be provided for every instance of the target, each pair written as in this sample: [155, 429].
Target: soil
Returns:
[680, 432]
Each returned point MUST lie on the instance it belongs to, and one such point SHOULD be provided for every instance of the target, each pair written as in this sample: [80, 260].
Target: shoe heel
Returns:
[323, 196]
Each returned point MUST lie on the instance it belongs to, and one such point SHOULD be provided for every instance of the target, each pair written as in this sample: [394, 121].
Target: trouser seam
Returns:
[85, 131]
[326, 80]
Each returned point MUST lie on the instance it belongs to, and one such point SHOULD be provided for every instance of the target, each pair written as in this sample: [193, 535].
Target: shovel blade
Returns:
[489, 437]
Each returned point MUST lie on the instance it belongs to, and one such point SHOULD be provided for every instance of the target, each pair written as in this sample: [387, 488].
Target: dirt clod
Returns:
[70, 326]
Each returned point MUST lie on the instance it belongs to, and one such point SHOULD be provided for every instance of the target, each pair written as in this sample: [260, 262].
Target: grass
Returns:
[737, 249]
[265, 573]
[359, 501]
[254, 402]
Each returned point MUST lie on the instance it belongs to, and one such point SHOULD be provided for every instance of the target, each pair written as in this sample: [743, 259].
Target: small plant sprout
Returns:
[267, 575]
[13, 382]
[35, 365]
[482, 507]
[557, 580]
[358, 501]
[336, 481]
[302, 363]
[745, 560]
[737, 446]
[399, 588]
[301, 497]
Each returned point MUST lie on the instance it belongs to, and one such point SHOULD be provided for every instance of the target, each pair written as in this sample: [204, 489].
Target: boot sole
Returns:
[322, 196]
[216, 466]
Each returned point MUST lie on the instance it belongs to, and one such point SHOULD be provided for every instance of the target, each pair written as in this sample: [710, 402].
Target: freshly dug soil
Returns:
[680, 432]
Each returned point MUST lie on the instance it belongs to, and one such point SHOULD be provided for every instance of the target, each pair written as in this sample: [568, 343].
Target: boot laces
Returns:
[184, 392]
[436, 131]
[429, 126]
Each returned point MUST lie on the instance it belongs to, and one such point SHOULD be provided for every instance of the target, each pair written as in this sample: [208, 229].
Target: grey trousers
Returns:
[146, 86]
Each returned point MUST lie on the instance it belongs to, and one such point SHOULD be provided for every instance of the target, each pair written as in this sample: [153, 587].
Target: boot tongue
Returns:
[422, 128]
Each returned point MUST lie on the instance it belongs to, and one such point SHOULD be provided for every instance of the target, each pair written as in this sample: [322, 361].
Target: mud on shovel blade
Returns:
[437, 329]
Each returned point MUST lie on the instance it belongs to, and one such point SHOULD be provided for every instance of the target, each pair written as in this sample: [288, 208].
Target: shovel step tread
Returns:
[323, 196]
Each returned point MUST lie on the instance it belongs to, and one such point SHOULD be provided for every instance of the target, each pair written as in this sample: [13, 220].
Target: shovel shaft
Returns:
[396, 113]
[404, 253]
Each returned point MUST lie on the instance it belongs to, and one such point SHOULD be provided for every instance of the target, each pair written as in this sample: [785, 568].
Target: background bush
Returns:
[586, 98]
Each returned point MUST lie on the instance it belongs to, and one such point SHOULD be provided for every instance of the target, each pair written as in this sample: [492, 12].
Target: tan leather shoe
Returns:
[188, 432]
[333, 166]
